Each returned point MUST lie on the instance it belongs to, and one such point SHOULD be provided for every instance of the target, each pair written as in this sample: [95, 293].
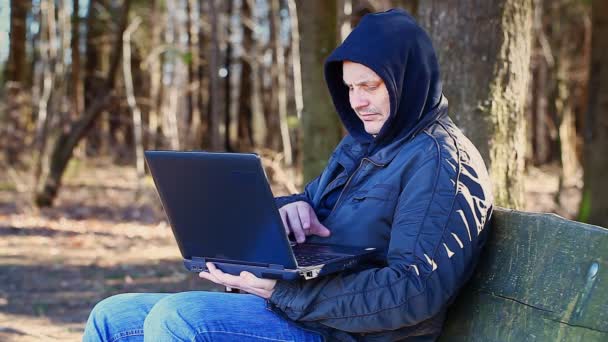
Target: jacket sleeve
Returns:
[430, 256]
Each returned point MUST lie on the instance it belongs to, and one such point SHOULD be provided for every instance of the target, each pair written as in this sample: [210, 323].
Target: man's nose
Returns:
[357, 101]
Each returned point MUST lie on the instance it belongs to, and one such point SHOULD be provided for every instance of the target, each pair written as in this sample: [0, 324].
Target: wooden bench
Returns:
[541, 278]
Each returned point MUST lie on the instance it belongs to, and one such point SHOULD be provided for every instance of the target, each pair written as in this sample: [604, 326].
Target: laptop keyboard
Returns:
[305, 259]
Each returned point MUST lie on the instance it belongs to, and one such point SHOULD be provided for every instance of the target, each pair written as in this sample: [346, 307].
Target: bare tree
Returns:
[153, 64]
[260, 126]
[193, 110]
[48, 53]
[215, 114]
[281, 79]
[295, 57]
[245, 106]
[77, 85]
[68, 139]
[136, 112]
[484, 58]
[15, 78]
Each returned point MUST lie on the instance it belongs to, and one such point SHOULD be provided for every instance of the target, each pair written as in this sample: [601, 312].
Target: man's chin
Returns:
[372, 130]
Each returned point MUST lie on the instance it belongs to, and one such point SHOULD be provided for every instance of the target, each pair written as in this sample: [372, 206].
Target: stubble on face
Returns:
[368, 96]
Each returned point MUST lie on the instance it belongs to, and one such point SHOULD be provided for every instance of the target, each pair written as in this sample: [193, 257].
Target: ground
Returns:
[104, 237]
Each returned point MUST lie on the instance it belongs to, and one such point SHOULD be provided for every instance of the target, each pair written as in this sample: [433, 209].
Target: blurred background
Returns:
[87, 85]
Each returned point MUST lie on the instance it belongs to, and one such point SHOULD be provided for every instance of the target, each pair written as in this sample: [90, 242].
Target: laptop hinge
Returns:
[199, 259]
[204, 260]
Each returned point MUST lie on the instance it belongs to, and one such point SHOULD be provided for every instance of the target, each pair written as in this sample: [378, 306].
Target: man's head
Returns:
[391, 50]
[367, 95]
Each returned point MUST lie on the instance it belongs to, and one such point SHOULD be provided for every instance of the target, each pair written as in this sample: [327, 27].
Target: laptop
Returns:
[221, 210]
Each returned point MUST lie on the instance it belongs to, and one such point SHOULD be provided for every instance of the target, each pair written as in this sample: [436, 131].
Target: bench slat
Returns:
[541, 277]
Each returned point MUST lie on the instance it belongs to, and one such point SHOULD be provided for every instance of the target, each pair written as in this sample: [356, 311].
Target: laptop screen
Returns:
[220, 206]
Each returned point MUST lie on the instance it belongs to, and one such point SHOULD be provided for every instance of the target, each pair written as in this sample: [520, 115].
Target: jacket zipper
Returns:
[348, 182]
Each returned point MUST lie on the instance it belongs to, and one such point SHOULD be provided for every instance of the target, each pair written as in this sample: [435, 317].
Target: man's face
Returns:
[367, 94]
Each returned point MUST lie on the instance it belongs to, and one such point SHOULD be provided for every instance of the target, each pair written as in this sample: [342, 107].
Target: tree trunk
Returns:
[215, 102]
[484, 52]
[136, 112]
[15, 76]
[295, 57]
[281, 85]
[245, 108]
[594, 208]
[15, 65]
[229, 115]
[155, 70]
[48, 59]
[259, 124]
[64, 146]
[541, 61]
[194, 115]
[203, 73]
[95, 56]
[321, 124]
[77, 85]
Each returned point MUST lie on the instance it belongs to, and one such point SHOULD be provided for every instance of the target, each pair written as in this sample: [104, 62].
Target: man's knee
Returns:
[170, 314]
[109, 306]
[104, 319]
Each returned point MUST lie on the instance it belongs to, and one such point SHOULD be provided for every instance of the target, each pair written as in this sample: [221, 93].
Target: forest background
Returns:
[87, 85]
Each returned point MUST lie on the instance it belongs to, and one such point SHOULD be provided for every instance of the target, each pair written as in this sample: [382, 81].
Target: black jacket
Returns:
[419, 191]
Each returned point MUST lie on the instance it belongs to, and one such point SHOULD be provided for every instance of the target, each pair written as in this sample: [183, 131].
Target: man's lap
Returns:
[193, 316]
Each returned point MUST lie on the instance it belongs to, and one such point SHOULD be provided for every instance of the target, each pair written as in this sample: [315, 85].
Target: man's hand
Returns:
[300, 219]
[245, 281]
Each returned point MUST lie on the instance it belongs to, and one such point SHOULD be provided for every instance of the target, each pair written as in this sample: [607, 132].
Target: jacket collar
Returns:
[351, 152]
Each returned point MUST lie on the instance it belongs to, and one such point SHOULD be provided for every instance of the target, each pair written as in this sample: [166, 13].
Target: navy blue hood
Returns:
[396, 48]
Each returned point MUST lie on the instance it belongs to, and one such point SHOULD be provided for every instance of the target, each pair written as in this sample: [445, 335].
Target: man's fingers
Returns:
[283, 214]
[224, 278]
[210, 277]
[295, 225]
[254, 282]
[304, 215]
[317, 227]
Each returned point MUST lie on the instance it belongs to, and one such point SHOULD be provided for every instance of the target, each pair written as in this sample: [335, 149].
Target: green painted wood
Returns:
[541, 278]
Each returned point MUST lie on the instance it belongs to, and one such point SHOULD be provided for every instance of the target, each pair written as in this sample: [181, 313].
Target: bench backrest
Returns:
[541, 278]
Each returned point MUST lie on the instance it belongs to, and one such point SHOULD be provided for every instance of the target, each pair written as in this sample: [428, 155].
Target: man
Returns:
[404, 180]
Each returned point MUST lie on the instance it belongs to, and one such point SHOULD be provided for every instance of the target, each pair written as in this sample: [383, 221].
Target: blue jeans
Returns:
[189, 316]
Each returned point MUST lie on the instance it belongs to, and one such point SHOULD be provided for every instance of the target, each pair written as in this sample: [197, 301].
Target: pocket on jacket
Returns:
[381, 192]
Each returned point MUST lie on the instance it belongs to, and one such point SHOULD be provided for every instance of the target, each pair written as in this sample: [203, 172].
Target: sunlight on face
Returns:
[368, 95]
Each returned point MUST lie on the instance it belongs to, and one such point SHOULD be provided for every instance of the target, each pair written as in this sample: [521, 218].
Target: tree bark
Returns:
[154, 65]
[15, 65]
[321, 124]
[136, 112]
[203, 73]
[215, 103]
[594, 208]
[484, 52]
[230, 121]
[281, 78]
[15, 79]
[259, 124]
[296, 57]
[194, 115]
[48, 59]
[77, 85]
[245, 107]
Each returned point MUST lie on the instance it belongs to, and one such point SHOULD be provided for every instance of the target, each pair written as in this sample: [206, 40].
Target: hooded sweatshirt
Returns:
[418, 191]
